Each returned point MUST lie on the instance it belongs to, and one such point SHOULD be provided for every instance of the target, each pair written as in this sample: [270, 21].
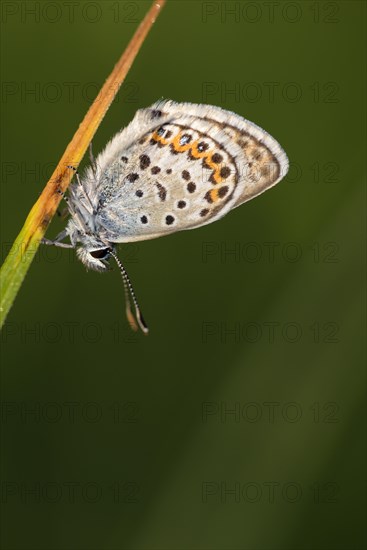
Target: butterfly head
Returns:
[95, 256]
[91, 249]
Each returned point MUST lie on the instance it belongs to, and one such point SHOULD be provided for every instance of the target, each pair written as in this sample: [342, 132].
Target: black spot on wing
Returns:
[162, 192]
[132, 177]
[144, 161]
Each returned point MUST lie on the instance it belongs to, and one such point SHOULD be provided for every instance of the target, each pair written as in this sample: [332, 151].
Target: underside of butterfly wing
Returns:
[180, 166]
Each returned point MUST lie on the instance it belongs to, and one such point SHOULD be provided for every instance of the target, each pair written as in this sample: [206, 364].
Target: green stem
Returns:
[19, 259]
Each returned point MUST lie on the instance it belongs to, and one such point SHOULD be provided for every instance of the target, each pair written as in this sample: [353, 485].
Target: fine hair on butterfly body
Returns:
[176, 166]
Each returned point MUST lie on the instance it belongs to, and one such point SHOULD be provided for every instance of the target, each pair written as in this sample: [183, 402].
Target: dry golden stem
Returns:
[25, 246]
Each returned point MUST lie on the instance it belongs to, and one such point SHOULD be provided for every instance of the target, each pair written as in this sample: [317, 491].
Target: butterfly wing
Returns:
[179, 166]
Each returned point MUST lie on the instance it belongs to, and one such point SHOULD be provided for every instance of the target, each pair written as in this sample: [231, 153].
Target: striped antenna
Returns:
[129, 291]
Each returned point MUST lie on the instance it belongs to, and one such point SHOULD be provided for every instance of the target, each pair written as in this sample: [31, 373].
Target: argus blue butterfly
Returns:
[176, 166]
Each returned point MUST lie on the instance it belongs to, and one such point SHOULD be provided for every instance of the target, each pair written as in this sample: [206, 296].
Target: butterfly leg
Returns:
[68, 210]
[62, 213]
[57, 241]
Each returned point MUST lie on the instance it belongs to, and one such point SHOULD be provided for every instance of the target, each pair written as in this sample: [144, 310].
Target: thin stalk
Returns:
[19, 259]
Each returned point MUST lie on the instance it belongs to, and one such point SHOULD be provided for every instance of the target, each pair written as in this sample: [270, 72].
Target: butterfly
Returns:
[176, 166]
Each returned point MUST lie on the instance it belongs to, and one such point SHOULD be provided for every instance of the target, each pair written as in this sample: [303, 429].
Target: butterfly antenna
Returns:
[129, 291]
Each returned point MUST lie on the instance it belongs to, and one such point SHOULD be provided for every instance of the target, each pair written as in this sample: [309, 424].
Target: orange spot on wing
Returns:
[207, 156]
[214, 195]
[195, 152]
[159, 138]
[216, 169]
[193, 147]
[177, 145]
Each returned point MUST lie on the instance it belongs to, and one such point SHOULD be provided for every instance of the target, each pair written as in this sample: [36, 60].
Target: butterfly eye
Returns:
[100, 254]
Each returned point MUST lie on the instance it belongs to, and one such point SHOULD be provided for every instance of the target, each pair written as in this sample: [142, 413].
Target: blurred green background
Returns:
[238, 423]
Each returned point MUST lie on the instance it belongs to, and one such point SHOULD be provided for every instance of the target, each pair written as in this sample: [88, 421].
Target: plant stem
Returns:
[25, 246]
